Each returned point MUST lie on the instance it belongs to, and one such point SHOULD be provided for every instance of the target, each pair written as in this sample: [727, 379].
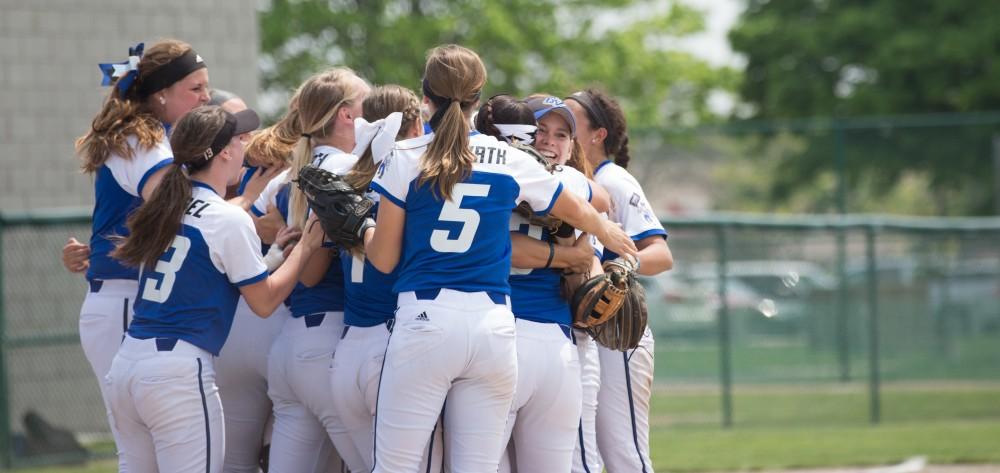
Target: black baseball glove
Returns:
[341, 210]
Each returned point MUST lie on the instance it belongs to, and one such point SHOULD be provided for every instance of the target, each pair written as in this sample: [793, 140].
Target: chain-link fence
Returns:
[754, 309]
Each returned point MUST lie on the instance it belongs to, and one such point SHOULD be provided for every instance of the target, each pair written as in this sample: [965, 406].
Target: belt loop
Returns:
[344, 334]
[95, 285]
[389, 324]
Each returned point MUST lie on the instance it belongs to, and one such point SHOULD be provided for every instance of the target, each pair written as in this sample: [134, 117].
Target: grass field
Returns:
[778, 427]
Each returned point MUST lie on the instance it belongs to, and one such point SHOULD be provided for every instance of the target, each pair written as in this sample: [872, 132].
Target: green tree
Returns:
[553, 46]
[849, 58]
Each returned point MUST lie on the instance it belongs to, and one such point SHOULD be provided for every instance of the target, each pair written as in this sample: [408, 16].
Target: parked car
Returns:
[763, 297]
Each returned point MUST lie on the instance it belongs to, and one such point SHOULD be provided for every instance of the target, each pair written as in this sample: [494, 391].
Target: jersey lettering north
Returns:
[118, 186]
[629, 206]
[462, 243]
[328, 294]
[534, 293]
[191, 293]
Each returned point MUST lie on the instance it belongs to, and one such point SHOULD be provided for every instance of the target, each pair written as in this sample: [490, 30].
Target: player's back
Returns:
[191, 293]
[118, 186]
[462, 243]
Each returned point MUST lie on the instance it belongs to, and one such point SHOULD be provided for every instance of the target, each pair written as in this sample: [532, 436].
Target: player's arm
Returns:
[152, 182]
[264, 296]
[578, 213]
[317, 267]
[654, 255]
[384, 243]
[531, 253]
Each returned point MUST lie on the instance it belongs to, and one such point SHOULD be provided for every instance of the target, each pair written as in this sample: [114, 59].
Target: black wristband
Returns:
[552, 254]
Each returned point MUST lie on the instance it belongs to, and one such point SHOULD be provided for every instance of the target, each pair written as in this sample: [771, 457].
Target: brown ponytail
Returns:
[125, 114]
[608, 115]
[453, 79]
[381, 102]
[154, 225]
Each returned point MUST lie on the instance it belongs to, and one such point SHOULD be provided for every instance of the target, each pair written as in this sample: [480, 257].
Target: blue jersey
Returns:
[462, 243]
[328, 294]
[369, 299]
[629, 206]
[118, 186]
[535, 293]
[192, 292]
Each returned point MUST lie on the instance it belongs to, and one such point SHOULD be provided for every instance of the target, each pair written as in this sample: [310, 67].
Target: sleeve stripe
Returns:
[590, 192]
[150, 172]
[555, 195]
[655, 231]
[382, 191]
[257, 278]
[255, 211]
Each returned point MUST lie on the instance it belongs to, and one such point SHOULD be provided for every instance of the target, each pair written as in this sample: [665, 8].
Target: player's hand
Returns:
[269, 224]
[259, 181]
[76, 256]
[313, 235]
[581, 256]
[287, 238]
[615, 239]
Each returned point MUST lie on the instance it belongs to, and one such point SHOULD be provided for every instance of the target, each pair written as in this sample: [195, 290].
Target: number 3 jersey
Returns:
[462, 243]
[192, 292]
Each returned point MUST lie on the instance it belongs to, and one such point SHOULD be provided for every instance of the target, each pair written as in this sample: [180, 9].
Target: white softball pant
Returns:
[104, 318]
[354, 379]
[446, 346]
[241, 374]
[623, 407]
[544, 418]
[586, 457]
[166, 407]
[298, 377]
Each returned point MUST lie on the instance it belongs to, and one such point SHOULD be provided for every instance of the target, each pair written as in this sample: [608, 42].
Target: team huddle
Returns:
[381, 281]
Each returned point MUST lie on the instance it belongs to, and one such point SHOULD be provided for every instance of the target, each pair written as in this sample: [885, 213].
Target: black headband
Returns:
[169, 73]
[442, 103]
[222, 138]
[594, 112]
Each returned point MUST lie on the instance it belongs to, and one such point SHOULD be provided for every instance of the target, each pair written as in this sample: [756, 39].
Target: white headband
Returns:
[521, 132]
[380, 135]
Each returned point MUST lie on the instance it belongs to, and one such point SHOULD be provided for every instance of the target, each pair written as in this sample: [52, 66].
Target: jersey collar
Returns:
[604, 163]
[195, 183]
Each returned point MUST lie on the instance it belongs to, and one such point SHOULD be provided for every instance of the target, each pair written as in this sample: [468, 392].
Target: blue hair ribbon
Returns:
[126, 72]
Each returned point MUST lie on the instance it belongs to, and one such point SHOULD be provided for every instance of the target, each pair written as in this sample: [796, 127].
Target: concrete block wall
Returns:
[50, 84]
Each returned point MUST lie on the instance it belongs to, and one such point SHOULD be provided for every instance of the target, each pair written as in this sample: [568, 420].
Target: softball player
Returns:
[299, 361]
[197, 254]
[626, 378]
[127, 152]
[543, 419]
[445, 207]
[369, 301]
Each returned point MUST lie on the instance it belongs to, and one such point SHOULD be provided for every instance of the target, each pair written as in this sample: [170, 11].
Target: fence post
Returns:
[875, 412]
[725, 354]
[5, 437]
[843, 324]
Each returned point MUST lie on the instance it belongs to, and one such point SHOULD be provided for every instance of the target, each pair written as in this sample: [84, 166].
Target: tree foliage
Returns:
[849, 58]
[553, 46]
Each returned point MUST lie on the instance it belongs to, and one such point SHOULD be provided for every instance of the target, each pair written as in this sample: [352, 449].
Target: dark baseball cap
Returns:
[236, 124]
[543, 105]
